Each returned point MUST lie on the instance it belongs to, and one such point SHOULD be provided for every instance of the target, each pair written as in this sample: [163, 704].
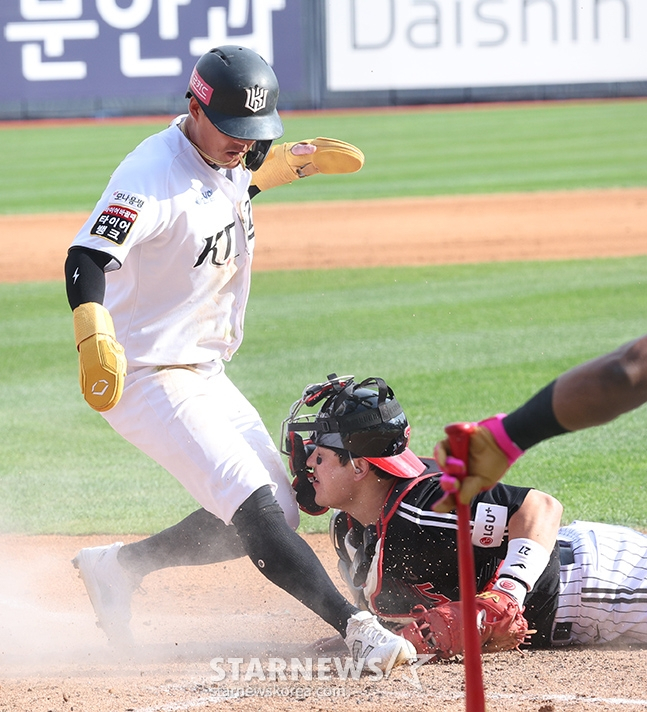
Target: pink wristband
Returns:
[502, 439]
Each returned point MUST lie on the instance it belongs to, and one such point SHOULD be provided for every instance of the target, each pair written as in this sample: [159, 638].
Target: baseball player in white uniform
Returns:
[158, 279]
[585, 583]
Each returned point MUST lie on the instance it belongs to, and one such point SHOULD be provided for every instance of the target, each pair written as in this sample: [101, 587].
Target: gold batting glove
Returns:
[286, 162]
[491, 453]
[102, 361]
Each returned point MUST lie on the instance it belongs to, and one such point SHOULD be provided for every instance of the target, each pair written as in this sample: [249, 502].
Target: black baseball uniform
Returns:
[410, 556]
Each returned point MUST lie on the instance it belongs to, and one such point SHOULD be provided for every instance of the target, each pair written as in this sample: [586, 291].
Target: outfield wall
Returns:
[66, 58]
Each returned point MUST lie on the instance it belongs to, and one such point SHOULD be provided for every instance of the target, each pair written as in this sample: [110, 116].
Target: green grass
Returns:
[421, 152]
[455, 342]
[63, 469]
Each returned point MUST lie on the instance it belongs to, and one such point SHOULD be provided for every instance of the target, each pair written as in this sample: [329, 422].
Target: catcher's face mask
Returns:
[364, 419]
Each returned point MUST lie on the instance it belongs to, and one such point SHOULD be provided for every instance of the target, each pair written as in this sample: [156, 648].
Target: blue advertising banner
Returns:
[68, 58]
[56, 50]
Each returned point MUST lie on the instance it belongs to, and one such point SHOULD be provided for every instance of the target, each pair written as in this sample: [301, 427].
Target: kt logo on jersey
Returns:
[218, 248]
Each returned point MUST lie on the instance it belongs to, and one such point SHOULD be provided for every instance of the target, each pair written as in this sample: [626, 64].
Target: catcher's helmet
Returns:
[238, 91]
[363, 418]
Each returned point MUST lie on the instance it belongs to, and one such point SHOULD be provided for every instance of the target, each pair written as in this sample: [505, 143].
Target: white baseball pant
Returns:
[603, 591]
[196, 424]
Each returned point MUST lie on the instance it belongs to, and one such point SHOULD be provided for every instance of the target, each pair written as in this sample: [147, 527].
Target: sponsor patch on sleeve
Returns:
[114, 223]
[489, 525]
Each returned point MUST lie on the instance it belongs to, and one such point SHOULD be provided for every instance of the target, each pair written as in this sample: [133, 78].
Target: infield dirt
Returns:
[52, 656]
[366, 233]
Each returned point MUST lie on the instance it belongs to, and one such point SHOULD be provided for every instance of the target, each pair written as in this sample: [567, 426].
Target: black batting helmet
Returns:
[238, 91]
[364, 419]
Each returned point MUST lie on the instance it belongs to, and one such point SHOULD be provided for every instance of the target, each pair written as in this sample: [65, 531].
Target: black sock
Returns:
[200, 538]
[282, 556]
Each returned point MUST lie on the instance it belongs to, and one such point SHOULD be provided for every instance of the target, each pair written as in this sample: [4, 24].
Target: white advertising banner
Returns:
[428, 44]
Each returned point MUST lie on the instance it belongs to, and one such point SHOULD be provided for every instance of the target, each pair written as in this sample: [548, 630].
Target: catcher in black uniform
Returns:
[399, 557]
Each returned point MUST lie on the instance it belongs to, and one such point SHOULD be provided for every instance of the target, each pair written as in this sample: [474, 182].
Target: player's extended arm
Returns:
[590, 394]
[532, 533]
[286, 162]
[102, 363]
[602, 389]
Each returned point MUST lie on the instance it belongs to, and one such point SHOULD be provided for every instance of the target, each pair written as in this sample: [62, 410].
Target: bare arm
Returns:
[537, 519]
[590, 394]
[532, 533]
[600, 390]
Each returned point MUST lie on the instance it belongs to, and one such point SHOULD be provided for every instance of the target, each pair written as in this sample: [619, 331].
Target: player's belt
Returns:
[566, 555]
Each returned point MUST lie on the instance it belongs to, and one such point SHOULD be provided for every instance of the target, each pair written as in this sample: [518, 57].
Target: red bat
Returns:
[459, 438]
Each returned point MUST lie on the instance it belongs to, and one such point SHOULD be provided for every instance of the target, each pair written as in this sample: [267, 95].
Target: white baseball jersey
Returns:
[181, 234]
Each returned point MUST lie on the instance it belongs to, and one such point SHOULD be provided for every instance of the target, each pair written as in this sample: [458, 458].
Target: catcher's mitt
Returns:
[501, 623]
[439, 631]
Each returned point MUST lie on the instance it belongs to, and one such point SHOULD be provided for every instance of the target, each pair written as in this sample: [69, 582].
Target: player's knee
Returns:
[257, 511]
[264, 531]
